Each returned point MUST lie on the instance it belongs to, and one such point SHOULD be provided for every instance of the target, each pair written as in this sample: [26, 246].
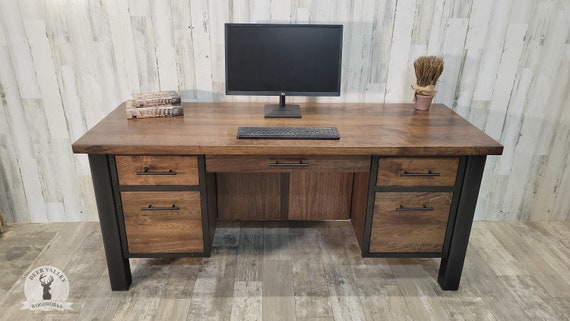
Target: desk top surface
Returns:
[365, 129]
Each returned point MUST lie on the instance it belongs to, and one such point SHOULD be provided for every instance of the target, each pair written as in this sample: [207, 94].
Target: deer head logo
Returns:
[55, 286]
[46, 284]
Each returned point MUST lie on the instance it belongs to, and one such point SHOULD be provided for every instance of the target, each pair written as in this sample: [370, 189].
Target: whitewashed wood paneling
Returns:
[65, 64]
[399, 59]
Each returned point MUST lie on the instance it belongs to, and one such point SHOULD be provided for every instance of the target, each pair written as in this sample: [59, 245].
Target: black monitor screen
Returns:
[283, 59]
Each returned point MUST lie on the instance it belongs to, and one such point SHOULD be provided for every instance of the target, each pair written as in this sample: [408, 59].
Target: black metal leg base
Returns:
[120, 275]
[119, 268]
[452, 266]
[447, 281]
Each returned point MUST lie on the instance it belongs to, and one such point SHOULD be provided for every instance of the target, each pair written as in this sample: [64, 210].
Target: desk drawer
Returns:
[409, 222]
[163, 222]
[417, 171]
[157, 170]
[277, 163]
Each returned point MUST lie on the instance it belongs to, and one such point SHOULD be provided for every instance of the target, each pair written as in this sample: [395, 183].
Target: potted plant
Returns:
[428, 69]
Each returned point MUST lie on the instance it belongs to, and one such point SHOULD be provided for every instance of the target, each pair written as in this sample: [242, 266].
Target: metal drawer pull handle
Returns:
[299, 164]
[416, 209]
[147, 171]
[428, 174]
[151, 208]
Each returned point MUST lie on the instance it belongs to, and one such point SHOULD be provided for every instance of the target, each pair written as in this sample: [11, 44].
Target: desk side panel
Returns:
[358, 205]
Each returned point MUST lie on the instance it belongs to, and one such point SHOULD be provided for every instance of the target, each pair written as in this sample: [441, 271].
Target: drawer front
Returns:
[417, 171]
[163, 222]
[277, 163]
[157, 170]
[409, 222]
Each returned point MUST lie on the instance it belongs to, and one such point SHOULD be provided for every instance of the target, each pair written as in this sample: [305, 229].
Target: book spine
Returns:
[157, 98]
[147, 102]
[133, 112]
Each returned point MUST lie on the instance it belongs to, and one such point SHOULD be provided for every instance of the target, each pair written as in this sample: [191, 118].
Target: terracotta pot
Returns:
[423, 102]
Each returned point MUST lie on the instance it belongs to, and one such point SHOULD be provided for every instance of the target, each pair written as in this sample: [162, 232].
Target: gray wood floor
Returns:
[513, 271]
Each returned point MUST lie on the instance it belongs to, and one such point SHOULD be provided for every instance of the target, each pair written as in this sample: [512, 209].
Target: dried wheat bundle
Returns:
[428, 69]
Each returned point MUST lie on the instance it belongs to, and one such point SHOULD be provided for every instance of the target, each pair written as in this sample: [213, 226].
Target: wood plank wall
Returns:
[64, 64]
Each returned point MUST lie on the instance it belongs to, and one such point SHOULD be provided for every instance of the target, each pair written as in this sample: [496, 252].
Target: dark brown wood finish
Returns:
[411, 171]
[309, 179]
[284, 196]
[286, 163]
[157, 170]
[163, 222]
[249, 196]
[358, 205]
[412, 230]
[319, 196]
[365, 129]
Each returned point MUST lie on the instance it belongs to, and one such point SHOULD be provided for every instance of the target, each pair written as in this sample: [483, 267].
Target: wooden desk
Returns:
[407, 180]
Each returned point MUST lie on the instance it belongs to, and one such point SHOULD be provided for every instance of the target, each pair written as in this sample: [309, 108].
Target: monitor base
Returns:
[282, 111]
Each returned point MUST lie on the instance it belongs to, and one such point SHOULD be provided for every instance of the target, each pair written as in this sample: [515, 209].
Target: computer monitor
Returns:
[283, 60]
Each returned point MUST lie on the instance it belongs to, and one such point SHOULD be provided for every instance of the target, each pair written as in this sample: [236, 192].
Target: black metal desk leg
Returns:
[119, 268]
[451, 266]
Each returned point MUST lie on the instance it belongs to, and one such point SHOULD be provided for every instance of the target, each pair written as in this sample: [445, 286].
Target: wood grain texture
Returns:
[132, 169]
[320, 196]
[247, 197]
[302, 271]
[175, 226]
[506, 69]
[409, 231]
[393, 171]
[284, 196]
[359, 204]
[278, 301]
[210, 128]
[310, 280]
[279, 163]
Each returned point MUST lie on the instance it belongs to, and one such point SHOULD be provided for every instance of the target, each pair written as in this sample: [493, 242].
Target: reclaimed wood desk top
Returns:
[365, 129]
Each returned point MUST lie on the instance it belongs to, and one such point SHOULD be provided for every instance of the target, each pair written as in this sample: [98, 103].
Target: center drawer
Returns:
[282, 163]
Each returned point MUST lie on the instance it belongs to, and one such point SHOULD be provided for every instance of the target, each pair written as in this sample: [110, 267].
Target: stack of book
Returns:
[154, 104]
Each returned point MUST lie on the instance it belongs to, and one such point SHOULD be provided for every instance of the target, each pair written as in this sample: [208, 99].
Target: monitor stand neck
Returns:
[282, 110]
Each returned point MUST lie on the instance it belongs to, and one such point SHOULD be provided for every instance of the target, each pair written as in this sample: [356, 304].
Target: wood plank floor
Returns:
[305, 272]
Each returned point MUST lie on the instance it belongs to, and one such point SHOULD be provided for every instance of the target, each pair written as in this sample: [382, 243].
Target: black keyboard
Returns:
[288, 132]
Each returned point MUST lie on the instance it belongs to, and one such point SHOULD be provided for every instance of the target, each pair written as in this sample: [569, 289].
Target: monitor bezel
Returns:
[285, 92]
